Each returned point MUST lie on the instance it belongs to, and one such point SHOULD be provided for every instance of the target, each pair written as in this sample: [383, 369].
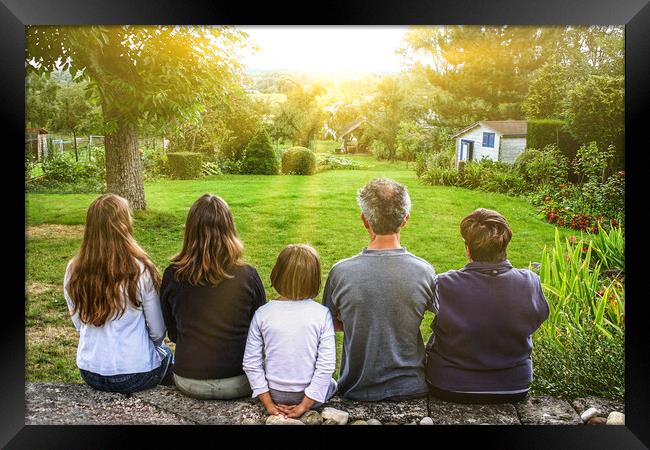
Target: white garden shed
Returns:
[498, 140]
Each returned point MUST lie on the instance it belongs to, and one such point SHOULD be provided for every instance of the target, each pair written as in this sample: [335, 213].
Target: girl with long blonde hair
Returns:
[209, 295]
[111, 288]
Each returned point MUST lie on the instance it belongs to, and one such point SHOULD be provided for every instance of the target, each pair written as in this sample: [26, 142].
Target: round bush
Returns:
[259, 156]
[299, 161]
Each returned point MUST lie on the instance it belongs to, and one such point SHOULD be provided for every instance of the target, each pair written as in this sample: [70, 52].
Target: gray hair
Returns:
[385, 203]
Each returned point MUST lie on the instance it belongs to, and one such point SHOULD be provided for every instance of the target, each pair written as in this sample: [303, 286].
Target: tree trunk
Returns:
[76, 154]
[123, 166]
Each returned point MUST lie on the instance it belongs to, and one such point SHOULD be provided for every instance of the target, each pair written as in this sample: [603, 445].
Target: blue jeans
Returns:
[132, 382]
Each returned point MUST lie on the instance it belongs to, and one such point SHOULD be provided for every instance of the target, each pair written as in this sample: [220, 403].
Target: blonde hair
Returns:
[211, 246]
[296, 274]
[107, 263]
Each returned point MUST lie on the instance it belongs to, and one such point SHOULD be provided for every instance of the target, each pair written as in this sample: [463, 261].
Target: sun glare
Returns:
[332, 50]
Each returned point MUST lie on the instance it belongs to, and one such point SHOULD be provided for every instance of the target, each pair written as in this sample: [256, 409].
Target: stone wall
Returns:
[65, 404]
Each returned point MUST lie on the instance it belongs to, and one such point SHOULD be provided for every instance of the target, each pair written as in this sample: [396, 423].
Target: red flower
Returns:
[573, 240]
[600, 294]
[584, 249]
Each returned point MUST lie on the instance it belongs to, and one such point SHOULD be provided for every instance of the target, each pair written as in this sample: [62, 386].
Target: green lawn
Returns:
[270, 212]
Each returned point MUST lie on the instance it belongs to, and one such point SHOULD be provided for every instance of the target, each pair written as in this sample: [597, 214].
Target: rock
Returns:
[330, 422]
[79, 404]
[311, 418]
[426, 421]
[616, 418]
[373, 422]
[392, 423]
[588, 414]
[204, 412]
[547, 411]
[597, 421]
[412, 423]
[280, 420]
[447, 413]
[249, 421]
[605, 406]
[359, 422]
[340, 417]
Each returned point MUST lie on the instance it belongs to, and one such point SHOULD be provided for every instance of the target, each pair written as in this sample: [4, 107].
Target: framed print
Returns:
[386, 214]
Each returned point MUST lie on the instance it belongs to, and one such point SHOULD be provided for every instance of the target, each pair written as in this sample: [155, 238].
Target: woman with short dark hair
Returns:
[209, 296]
[480, 348]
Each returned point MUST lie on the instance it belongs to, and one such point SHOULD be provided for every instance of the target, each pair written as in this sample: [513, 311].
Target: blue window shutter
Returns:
[488, 139]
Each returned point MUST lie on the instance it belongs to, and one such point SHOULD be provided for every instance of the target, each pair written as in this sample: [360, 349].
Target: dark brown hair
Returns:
[211, 245]
[486, 234]
[107, 263]
[296, 274]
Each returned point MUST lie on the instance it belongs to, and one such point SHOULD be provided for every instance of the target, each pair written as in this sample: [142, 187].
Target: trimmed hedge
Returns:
[185, 165]
[299, 161]
[259, 156]
[545, 132]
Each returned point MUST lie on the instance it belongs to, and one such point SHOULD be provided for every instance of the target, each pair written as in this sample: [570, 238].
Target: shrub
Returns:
[230, 166]
[154, 163]
[184, 165]
[441, 176]
[379, 150]
[609, 248]
[578, 364]
[579, 350]
[210, 168]
[259, 156]
[298, 161]
[326, 162]
[60, 167]
[541, 167]
[543, 132]
[441, 159]
[591, 163]
[65, 175]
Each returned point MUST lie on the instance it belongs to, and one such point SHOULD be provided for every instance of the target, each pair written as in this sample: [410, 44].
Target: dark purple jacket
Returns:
[481, 339]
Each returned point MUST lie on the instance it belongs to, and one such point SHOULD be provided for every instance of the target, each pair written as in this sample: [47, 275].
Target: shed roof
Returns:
[350, 127]
[512, 128]
[36, 130]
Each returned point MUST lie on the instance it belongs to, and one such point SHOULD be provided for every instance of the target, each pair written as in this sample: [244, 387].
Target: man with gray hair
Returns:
[378, 299]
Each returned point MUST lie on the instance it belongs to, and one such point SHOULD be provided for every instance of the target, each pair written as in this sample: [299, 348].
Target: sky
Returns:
[336, 50]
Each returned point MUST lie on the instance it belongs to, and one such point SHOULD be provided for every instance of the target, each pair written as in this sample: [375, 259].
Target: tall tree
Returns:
[154, 74]
[40, 100]
[384, 114]
[547, 93]
[75, 111]
[596, 112]
[302, 114]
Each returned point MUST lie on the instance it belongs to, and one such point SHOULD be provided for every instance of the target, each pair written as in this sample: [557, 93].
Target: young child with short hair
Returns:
[296, 336]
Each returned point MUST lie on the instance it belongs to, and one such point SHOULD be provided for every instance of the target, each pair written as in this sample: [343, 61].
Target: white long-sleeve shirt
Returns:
[125, 345]
[291, 347]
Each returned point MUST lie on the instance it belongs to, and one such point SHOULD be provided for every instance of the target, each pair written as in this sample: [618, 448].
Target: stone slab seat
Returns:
[59, 404]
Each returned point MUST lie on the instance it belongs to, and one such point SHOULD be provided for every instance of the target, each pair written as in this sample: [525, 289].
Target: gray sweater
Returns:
[381, 296]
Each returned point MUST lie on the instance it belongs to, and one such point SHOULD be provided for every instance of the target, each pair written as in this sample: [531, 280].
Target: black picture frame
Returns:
[634, 14]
